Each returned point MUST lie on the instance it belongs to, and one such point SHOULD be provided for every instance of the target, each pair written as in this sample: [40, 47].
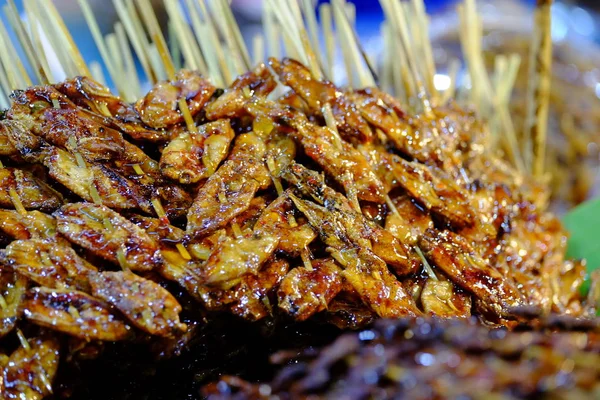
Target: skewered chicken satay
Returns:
[30, 370]
[49, 263]
[12, 289]
[84, 179]
[248, 299]
[193, 156]
[452, 254]
[32, 192]
[317, 94]
[435, 191]
[338, 158]
[367, 273]
[32, 225]
[160, 107]
[89, 94]
[439, 138]
[108, 235]
[74, 313]
[231, 103]
[305, 292]
[117, 166]
[361, 231]
[233, 258]
[229, 191]
[146, 304]
[442, 299]
[409, 223]
[7, 148]
[157, 229]
[278, 220]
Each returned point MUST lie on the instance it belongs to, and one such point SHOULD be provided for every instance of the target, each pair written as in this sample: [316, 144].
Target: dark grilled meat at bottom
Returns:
[557, 358]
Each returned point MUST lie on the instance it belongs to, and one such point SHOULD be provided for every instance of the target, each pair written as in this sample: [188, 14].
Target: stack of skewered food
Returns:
[322, 203]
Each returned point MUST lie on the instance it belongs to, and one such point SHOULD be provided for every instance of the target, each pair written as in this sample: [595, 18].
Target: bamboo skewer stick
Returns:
[10, 10]
[68, 39]
[325, 14]
[538, 89]
[32, 19]
[132, 83]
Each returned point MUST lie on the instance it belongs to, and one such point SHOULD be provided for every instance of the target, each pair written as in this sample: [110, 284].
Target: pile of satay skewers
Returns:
[263, 190]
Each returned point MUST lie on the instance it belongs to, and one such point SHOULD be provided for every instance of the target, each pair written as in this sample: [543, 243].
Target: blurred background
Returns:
[575, 105]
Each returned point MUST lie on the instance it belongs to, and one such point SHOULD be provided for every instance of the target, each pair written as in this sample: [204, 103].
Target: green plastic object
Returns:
[583, 224]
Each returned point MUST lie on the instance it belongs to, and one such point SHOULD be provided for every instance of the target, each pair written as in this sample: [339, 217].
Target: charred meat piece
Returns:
[367, 273]
[278, 220]
[87, 93]
[248, 299]
[229, 191]
[193, 156]
[12, 288]
[409, 223]
[304, 292]
[160, 107]
[452, 254]
[146, 304]
[30, 371]
[7, 148]
[74, 313]
[32, 225]
[233, 258]
[428, 358]
[32, 192]
[435, 191]
[49, 263]
[338, 158]
[442, 299]
[318, 93]
[108, 235]
[360, 230]
[230, 104]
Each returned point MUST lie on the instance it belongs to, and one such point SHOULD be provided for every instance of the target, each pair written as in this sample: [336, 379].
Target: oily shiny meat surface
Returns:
[284, 203]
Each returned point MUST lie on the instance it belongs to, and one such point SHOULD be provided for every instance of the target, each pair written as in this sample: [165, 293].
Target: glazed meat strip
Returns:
[193, 156]
[362, 232]
[32, 225]
[435, 191]
[278, 220]
[77, 130]
[117, 165]
[367, 273]
[89, 94]
[338, 158]
[435, 138]
[231, 103]
[456, 258]
[74, 313]
[12, 288]
[229, 191]
[248, 299]
[316, 94]
[304, 292]
[146, 304]
[84, 179]
[7, 148]
[160, 107]
[234, 258]
[441, 299]
[108, 235]
[49, 263]
[31, 192]
[29, 372]
[409, 223]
